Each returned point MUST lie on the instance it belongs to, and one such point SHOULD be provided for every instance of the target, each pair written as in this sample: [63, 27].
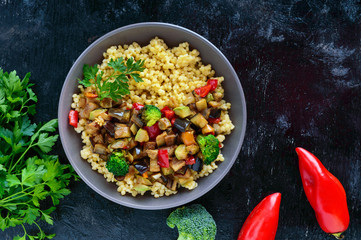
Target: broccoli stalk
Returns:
[117, 164]
[209, 146]
[151, 114]
[193, 223]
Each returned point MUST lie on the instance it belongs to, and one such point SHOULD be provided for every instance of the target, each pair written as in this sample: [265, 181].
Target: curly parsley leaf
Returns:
[116, 85]
[28, 175]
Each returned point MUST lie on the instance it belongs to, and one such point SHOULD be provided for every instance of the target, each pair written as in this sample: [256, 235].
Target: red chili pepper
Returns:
[213, 83]
[325, 194]
[163, 159]
[203, 91]
[214, 120]
[262, 223]
[167, 112]
[153, 131]
[138, 106]
[190, 160]
[73, 118]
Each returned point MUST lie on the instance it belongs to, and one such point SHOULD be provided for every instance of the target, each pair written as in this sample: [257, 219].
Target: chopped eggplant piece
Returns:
[170, 139]
[206, 113]
[215, 113]
[89, 107]
[167, 171]
[154, 166]
[142, 136]
[120, 144]
[98, 139]
[142, 167]
[122, 131]
[92, 128]
[82, 102]
[152, 154]
[100, 149]
[170, 150]
[193, 107]
[108, 139]
[201, 104]
[198, 166]
[122, 115]
[130, 157]
[169, 184]
[160, 139]
[137, 120]
[174, 185]
[199, 120]
[110, 127]
[214, 104]
[182, 170]
[164, 179]
[106, 103]
[150, 145]
[134, 129]
[157, 175]
[181, 124]
[132, 143]
[176, 164]
[189, 99]
[138, 153]
[182, 111]
[192, 149]
[143, 181]
[164, 123]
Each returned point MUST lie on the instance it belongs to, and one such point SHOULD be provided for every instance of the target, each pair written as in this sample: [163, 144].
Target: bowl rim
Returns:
[208, 187]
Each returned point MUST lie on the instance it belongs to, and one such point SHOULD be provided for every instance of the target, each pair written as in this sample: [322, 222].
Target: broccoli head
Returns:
[117, 164]
[209, 146]
[151, 114]
[193, 223]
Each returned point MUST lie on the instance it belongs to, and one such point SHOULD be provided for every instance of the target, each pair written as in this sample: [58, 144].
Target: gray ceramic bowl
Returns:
[172, 35]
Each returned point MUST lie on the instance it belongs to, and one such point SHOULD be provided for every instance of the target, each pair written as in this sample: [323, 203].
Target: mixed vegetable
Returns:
[165, 145]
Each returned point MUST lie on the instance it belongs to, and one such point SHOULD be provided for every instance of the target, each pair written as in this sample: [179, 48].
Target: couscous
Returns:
[161, 129]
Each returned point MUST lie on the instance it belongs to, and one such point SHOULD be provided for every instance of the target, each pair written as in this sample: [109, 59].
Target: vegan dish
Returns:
[151, 118]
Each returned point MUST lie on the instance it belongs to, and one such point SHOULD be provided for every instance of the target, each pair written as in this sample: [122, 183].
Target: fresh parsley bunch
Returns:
[116, 85]
[28, 175]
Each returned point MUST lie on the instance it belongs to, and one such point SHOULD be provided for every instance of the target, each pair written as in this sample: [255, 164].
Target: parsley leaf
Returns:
[28, 176]
[116, 85]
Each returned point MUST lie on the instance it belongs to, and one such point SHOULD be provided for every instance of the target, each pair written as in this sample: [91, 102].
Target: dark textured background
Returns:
[299, 64]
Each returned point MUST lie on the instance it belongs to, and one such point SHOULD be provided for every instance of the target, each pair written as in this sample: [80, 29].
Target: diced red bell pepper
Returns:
[163, 159]
[153, 131]
[138, 106]
[203, 91]
[172, 121]
[168, 113]
[73, 118]
[190, 160]
[213, 83]
[214, 120]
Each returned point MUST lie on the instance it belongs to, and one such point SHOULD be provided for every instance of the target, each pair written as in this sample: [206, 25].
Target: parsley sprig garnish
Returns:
[116, 85]
[28, 175]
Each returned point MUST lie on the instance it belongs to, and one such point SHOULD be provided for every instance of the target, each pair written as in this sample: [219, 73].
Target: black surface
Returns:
[299, 64]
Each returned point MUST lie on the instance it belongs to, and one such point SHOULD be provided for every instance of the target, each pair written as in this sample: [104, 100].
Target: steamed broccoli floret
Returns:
[193, 223]
[117, 164]
[209, 146]
[151, 114]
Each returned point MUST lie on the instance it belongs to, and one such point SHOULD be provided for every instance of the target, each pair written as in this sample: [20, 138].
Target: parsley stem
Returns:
[21, 157]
